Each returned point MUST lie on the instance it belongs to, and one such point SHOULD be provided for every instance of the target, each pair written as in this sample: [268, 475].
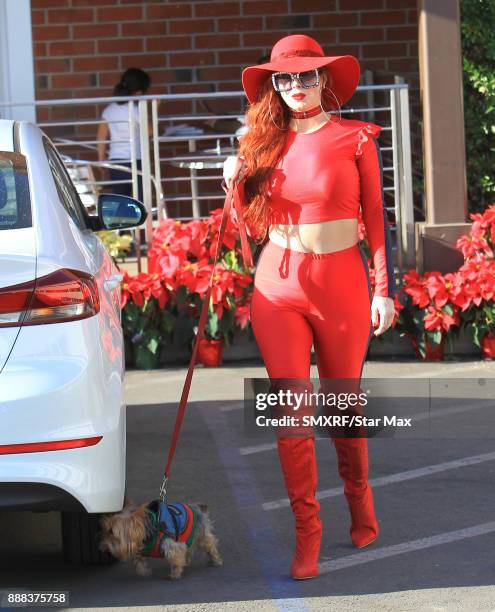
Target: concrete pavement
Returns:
[434, 499]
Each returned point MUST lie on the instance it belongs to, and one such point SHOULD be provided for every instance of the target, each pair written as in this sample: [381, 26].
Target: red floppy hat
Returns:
[345, 69]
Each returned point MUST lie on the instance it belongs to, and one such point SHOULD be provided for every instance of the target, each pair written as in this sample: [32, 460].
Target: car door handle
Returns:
[112, 282]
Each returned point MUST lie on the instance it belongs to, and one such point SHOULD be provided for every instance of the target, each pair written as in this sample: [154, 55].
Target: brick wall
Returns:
[82, 46]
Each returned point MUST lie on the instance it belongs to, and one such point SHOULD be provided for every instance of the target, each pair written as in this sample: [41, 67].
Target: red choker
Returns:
[312, 112]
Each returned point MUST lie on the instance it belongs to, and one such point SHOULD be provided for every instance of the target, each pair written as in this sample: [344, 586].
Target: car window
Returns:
[66, 191]
[15, 202]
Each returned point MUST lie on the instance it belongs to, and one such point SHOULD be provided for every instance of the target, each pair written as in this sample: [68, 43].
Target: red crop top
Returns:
[327, 175]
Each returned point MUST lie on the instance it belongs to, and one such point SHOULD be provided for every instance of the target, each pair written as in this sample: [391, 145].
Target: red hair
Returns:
[262, 145]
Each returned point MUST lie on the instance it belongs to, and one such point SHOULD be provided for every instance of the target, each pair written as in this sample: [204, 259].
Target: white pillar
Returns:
[16, 60]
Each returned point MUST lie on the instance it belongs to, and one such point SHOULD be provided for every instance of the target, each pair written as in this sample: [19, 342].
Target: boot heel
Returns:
[352, 456]
[305, 562]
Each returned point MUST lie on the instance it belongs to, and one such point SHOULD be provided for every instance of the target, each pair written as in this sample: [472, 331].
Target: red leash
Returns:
[236, 197]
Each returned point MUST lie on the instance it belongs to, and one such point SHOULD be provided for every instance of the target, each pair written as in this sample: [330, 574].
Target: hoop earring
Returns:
[271, 117]
[338, 104]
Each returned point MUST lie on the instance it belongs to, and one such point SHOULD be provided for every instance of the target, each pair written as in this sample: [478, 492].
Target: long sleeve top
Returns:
[328, 174]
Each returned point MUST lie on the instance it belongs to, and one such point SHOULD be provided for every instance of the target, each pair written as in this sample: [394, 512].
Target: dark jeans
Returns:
[123, 175]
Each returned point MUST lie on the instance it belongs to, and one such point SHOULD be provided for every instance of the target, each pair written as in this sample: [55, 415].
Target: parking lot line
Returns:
[397, 477]
[406, 547]
[232, 406]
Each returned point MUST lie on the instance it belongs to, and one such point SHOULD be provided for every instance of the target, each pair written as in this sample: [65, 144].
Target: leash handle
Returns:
[233, 196]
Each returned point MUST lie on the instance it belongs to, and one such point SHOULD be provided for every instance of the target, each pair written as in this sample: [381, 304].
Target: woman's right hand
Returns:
[229, 170]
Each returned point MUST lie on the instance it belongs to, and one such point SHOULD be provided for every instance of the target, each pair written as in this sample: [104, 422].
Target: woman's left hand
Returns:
[382, 313]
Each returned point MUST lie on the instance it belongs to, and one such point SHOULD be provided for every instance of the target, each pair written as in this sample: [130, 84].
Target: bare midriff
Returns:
[322, 237]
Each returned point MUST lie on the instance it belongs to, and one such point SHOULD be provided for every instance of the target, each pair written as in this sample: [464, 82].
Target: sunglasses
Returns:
[282, 81]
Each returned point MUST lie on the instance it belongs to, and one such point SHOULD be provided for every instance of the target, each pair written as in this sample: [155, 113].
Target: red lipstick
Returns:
[299, 96]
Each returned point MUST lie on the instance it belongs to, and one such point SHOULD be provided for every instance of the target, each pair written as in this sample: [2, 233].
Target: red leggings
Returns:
[305, 298]
[321, 298]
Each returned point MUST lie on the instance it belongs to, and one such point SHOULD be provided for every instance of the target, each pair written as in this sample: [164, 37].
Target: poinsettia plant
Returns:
[146, 321]
[439, 305]
[431, 311]
[483, 323]
[229, 296]
[163, 306]
[479, 243]
[478, 274]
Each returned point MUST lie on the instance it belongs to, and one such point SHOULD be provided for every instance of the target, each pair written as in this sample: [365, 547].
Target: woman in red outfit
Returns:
[306, 175]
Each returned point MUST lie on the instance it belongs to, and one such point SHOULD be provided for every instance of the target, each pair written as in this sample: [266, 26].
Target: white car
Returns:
[62, 410]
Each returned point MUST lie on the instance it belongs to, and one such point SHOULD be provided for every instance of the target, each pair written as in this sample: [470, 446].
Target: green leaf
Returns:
[153, 344]
[421, 345]
[418, 319]
[230, 259]
[212, 325]
[435, 337]
[448, 308]
[144, 359]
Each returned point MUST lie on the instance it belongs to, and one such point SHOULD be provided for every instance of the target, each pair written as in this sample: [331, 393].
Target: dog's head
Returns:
[123, 533]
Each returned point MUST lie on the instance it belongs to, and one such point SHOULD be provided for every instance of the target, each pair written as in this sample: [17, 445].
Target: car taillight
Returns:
[40, 447]
[64, 295]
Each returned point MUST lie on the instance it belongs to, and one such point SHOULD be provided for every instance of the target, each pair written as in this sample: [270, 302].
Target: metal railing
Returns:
[176, 168]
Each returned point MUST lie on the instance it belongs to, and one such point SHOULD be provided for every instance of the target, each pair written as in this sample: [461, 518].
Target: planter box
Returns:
[244, 347]
[462, 346]
[402, 346]
[395, 345]
[174, 355]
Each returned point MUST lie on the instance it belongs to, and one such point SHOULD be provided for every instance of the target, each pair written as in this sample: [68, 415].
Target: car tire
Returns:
[81, 539]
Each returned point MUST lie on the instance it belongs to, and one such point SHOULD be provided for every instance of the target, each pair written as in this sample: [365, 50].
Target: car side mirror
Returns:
[117, 211]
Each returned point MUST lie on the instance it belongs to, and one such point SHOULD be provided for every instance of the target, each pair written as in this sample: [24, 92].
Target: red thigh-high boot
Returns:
[296, 450]
[352, 455]
[298, 461]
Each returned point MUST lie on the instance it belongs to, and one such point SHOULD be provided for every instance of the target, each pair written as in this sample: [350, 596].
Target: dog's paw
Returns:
[175, 575]
[217, 562]
[143, 570]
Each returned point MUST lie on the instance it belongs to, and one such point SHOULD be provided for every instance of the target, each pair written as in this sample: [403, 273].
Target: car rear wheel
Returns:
[81, 539]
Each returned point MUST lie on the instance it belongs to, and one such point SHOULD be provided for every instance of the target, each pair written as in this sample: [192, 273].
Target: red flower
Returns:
[435, 285]
[478, 278]
[476, 244]
[438, 319]
[415, 286]
[136, 287]
[489, 214]
[456, 287]
[124, 290]
[169, 264]
[242, 315]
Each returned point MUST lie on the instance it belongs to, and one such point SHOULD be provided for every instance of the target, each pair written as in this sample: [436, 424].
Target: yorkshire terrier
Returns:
[171, 531]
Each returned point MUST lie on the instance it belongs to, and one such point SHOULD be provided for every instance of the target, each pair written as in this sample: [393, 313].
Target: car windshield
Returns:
[15, 204]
